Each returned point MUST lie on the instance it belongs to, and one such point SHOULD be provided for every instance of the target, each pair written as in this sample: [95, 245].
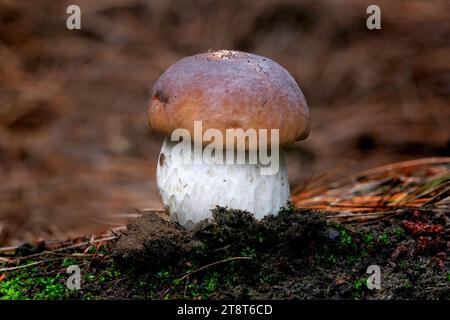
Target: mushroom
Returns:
[225, 90]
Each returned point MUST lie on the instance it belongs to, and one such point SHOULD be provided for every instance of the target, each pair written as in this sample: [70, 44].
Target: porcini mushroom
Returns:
[225, 90]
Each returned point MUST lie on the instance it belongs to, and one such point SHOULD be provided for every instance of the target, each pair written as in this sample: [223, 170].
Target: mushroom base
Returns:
[189, 191]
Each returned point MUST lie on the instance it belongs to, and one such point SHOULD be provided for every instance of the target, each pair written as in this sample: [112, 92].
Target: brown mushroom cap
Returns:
[229, 89]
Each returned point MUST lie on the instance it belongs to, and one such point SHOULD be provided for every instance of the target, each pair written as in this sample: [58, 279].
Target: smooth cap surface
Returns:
[229, 89]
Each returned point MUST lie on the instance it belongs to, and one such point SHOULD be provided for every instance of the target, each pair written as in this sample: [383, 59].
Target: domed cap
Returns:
[229, 89]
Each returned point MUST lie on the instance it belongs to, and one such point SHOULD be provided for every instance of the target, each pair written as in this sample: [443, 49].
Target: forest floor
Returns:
[334, 241]
[294, 255]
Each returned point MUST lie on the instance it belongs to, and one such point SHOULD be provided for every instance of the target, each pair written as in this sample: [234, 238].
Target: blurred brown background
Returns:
[74, 141]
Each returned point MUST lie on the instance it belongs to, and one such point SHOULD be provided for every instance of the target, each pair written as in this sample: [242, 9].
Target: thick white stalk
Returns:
[189, 191]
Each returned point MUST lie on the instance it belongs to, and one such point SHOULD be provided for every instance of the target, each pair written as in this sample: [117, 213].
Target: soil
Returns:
[295, 254]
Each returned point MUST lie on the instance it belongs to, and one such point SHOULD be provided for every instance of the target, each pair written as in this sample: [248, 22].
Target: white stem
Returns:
[189, 191]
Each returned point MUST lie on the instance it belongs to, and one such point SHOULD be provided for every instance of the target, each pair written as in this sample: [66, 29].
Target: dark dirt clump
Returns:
[295, 254]
[150, 243]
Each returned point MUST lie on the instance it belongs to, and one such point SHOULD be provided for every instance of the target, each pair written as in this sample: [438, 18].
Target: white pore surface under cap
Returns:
[189, 191]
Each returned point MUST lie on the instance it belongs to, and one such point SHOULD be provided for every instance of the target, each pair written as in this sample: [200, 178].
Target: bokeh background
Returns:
[75, 147]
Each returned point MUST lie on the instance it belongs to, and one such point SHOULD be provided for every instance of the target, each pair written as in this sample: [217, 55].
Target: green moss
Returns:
[328, 259]
[345, 237]
[399, 233]
[384, 239]
[23, 287]
[368, 239]
[200, 288]
[211, 282]
[163, 274]
[408, 285]
[352, 259]
[358, 286]
[103, 249]
[248, 252]
[88, 276]
[68, 262]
